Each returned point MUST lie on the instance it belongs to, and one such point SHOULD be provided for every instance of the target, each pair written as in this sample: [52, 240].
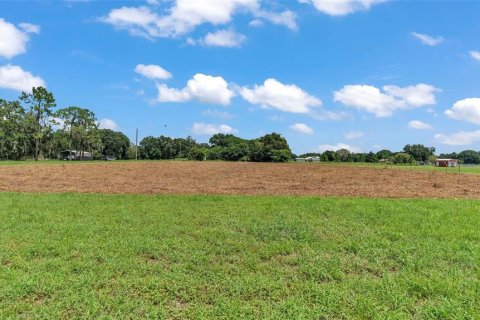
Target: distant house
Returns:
[75, 155]
[446, 163]
[308, 159]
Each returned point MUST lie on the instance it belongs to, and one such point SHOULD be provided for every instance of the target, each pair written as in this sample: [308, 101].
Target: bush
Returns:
[214, 153]
[198, 154]
[282, 155]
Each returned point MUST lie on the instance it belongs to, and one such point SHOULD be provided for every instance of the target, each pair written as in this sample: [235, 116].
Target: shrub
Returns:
[198, 154]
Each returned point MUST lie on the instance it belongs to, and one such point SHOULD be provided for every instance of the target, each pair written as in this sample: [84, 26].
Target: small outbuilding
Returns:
[75, 155]
[446, 163]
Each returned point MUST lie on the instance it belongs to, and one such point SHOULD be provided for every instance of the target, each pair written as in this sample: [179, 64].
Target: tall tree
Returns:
[13, 140]
[79, 123]
[40, 104]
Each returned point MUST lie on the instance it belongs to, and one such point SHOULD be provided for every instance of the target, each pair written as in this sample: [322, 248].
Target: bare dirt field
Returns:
[176, 177]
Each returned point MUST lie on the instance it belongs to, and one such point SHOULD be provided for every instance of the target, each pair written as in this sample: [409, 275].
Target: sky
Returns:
[357, 74]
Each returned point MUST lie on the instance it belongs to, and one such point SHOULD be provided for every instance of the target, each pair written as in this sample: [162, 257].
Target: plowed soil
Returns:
[175, 177]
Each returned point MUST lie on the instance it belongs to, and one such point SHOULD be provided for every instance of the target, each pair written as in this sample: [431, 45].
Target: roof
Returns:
[446, 160]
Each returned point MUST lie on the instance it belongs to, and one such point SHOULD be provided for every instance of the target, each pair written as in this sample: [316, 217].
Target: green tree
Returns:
[270, 148]
[197, 153]
[469, 157]
[152, 148]
[403, 158]
[81, 126]
[343, 155]
[13, 136]
[114, 144]
[40, 104]
[384, 154]
[419, 152]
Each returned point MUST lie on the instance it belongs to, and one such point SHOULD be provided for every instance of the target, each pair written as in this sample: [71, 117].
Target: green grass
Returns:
[206, 257]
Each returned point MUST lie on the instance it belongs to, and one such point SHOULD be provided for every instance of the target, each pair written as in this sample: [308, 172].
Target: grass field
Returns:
[238, 257]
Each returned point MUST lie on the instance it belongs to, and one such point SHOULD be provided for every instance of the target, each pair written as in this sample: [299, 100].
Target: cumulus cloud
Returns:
[153, 71]
[465, 110]
[427, 40]
[415, 96]
[384, 104]
[354, 135]
[202, 88]
[211, 129]
[224, 38]
[284, 97]
[341, 7]
[13, 40]
[185, 15]
[338, 146]
[15, 78]
[419, 125]
[462, 138]
[302, 128]
[108, 124]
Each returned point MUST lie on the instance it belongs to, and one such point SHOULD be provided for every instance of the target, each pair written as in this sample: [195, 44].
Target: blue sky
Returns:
[358, 74]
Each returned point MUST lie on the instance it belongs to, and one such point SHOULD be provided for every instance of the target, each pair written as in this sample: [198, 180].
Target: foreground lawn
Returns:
[176, 257]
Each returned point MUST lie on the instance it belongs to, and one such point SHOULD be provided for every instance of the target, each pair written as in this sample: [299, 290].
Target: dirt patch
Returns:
[176, 177]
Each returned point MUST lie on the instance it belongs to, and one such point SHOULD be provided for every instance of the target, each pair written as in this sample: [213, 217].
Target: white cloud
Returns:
[139, 21]
[224, 38]
[202, 88]
[415, 96]
[302, 128]
[13, 41]
[428, 40]
[153, 71]
[108, 124]
[185, 15]
[384, 104]
[287, 98]
[256, 23]
[475, 55]
[286, 18]
[211, 129]
[369, 98]
[461, 138]
[338, 146]
[14, 77]
[30, 28]
[342, 7]
[465, 110]
[152, 2]
[419, 125]
[354, 135]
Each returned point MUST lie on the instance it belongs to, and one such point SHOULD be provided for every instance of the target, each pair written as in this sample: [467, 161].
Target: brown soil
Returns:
[174, 177]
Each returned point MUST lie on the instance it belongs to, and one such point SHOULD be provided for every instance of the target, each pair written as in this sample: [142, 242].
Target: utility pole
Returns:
[136, 144]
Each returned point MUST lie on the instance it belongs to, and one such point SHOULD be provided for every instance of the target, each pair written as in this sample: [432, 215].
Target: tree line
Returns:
[268, 148]
[33, 128]
[411, 154]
